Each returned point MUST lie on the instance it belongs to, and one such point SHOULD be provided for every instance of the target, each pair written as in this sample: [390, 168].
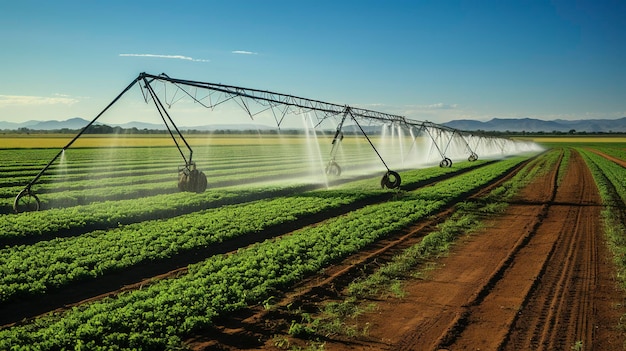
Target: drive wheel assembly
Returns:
[333, 169]
[473, 157]
[192, 180]
[390, 180]
[446, 162]
[26, 201]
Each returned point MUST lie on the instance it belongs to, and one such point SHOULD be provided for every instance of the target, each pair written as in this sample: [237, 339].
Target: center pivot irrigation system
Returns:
[255, 102]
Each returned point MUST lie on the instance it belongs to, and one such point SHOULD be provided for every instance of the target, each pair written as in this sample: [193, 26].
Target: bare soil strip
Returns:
[571, 303]
[468, 276]
[619, 161]
[537, 278]
[254, 328]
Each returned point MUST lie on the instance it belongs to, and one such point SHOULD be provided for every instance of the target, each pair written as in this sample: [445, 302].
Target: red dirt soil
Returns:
[619, 161]
[538, 277]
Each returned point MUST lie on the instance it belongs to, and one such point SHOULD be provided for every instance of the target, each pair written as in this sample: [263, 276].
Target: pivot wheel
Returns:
[333, 169]
[446, 162]
[390, 180]
[26, 201]
[192, 180]
[473, 157]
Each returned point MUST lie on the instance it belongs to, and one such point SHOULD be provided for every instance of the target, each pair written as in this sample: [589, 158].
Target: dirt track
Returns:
[539, 277]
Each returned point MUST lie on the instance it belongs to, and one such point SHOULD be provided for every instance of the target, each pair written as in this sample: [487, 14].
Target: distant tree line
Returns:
[105, 129]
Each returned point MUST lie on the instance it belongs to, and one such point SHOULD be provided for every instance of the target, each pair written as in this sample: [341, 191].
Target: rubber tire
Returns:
[473, 157]
[199, 181]
[30, 205]
[391, 180]
[192, 181]
[333, 169]
[446, 162]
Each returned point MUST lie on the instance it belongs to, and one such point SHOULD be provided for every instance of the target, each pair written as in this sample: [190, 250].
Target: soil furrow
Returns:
[495, 307]
[538, 277]
[246, 329]
[619, 161]
[147, 272]
[557, 315]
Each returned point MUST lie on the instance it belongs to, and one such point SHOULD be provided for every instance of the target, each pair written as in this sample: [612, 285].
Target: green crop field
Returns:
[112, 215]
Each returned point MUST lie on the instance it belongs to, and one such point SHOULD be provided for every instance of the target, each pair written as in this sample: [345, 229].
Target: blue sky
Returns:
[427, 60]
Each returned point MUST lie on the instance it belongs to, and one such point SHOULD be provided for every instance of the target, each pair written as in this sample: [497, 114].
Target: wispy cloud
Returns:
[243, 52]
[22, 100]
[438, 106]
[176, 57]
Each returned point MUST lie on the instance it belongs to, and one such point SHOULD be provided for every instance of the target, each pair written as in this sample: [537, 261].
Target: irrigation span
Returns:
[164, 91]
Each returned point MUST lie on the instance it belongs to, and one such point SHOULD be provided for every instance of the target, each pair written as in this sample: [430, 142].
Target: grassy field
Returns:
[110, 205]
[26, 141]
[555, 140]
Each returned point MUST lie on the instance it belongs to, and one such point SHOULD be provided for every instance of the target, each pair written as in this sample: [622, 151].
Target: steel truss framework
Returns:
[255, 102]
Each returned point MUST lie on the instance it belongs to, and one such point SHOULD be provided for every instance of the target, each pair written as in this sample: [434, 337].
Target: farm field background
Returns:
[127, 261]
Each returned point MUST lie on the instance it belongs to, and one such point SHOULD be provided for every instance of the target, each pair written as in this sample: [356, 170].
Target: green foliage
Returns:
[162, 314]
[33, 269]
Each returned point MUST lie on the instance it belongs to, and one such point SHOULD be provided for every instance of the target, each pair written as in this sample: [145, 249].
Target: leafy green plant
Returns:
[160, 315]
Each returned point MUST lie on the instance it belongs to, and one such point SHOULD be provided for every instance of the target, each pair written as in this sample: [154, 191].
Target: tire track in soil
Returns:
[254, 327]
[440, 307]
[545, 299]
[478, 300]
[570, 302]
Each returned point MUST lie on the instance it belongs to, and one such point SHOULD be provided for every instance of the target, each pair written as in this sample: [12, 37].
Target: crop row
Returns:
[32, 269]
[610, 179]
[58, 176]
[132, 190]
[613, 151]
[61, 192]
[109, 214]
[29, 162]
[94, 170]
[113, 213]
[161, 315]
[615, 173]
[103, 170]
[81, 197]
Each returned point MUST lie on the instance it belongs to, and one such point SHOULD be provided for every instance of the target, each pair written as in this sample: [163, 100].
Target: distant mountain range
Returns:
[538, 125]
[497, 124]
[72, 123]
[79, 123]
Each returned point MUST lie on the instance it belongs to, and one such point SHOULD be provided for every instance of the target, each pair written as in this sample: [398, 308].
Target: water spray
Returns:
[255, 102]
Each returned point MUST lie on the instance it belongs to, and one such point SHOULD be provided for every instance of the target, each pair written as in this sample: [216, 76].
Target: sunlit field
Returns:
[139, 140]
[577, 139]
[111, 205]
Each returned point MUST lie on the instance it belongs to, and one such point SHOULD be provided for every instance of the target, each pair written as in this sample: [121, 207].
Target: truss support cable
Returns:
[435, 143]
[286, 104]
[163, 111]
[349, 110]
[80, 133]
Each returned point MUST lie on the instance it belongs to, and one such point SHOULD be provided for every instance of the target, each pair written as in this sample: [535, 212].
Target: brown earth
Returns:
[619, 161]
[538, 277]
